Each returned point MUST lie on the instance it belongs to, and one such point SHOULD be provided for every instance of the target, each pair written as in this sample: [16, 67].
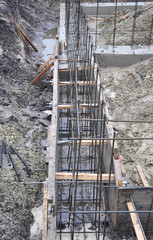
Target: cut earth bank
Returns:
[23, 122]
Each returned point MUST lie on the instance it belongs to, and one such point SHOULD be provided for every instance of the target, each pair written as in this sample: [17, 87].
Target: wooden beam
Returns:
[60, 48]
[69, 106]
[45, 211]
[42, 73]
[27, 38]
[118, 157]
[135, 221]
[83, 142]
[83, 176]
[44, 65]
[142, 176]
[118, 172]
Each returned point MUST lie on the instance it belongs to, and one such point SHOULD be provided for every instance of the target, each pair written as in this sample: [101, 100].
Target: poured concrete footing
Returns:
[122, 55]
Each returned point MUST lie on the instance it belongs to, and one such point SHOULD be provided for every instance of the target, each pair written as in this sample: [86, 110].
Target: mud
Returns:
[23, 121]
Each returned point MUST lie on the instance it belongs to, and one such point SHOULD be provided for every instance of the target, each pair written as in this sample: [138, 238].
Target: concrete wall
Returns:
[122, 55]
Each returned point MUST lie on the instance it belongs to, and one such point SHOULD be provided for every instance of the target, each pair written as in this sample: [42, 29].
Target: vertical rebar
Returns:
[115, 21]
[134, 23]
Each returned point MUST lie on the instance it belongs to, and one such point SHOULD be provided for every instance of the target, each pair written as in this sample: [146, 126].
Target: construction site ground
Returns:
[128, 90]
[24, 121]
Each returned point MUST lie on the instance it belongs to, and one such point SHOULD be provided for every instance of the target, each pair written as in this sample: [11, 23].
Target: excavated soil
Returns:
[23, 120]
[129, 93]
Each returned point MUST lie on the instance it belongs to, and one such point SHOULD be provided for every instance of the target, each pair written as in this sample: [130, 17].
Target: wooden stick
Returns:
[123, 18]
[135, 222]
[142, 176]
[23, 40]
[83, 142]
[94, 18]
[27, 38]
[45, 211]
[42, 73]
[69, 106]
[60, 48]
[44, 65]
[83, 176]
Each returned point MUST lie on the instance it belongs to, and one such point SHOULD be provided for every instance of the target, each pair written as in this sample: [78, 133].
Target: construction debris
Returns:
[10, 158]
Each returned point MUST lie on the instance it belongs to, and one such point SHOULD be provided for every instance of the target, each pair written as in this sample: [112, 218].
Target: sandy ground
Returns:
[129, 95]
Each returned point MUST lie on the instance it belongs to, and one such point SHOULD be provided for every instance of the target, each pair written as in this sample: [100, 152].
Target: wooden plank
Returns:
[83, 176]
[42, 73]
[69, 106]
[27, 38]
[44, 65]
[52, 189]
[122, 166]
[135, 222]
[118, 173]
[45, 211]
[73, 83]
[83, 142]
[142, 176]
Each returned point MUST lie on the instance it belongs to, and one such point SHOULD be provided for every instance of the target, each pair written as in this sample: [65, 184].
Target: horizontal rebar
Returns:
[106, 212]
[109, 120]
[117, 139]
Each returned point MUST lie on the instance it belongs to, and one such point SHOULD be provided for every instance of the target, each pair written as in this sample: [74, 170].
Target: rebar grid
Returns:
[115, 31]
[82, 202]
